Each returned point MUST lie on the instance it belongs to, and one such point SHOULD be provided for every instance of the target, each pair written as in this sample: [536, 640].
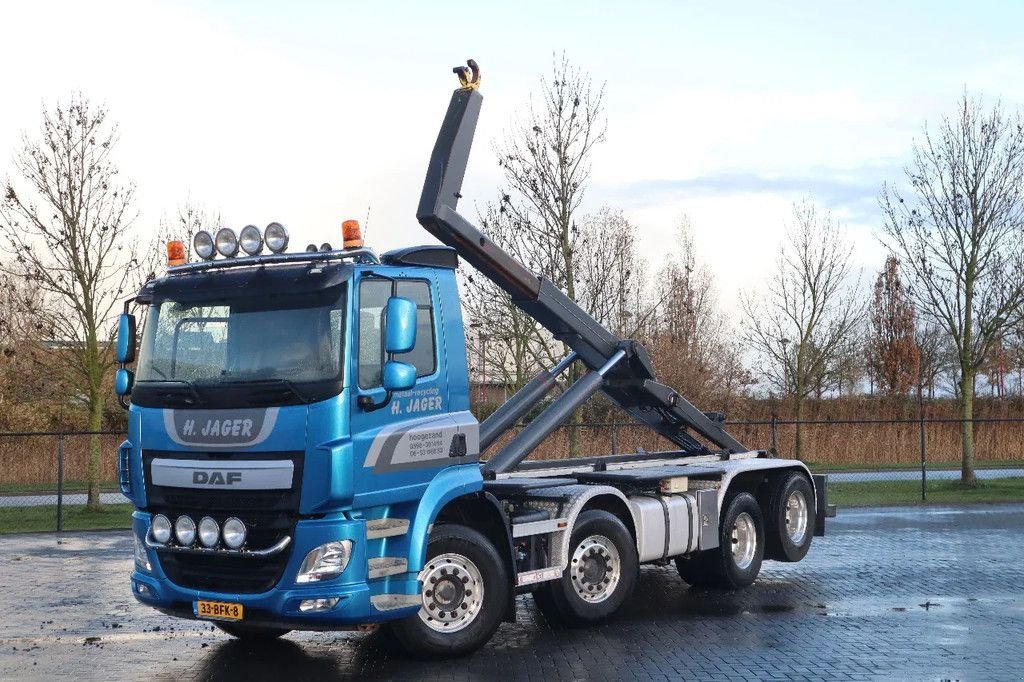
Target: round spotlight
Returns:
[276, 237]
[234, 533]
[227, 242]
[209, 532]
[311, 248]
[202, 244]
[161, 529]
[250, 240]
[326, 247]
[185, 531]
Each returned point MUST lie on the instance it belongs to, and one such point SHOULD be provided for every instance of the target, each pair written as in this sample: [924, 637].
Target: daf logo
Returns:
[216, 477]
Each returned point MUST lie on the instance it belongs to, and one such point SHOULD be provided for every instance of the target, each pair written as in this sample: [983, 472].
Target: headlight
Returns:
[276, 237]
[325, 562]
[227, 242]
[185, 530]
[234, 533]
[161, 528]
[141, 558]
[209, 532]
[251, 240]
[202, 244]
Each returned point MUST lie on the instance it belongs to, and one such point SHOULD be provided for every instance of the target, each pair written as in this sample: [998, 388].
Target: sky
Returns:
[309, 113]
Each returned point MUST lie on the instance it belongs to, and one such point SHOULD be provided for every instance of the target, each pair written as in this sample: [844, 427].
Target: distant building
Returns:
[482, 392]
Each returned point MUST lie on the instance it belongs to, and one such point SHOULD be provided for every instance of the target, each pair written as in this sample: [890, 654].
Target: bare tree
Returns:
[935, 356]
[691, 339]
[892, 350]
[802, 326]
[504, 344]
[996, 367]
[611, 283]
[545, 160]
[960, 232]
[1015, 359]
[849, 368]
[65, 223]
[189, 217]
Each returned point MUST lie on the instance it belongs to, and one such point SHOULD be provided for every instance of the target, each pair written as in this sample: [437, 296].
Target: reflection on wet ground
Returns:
[893, 593]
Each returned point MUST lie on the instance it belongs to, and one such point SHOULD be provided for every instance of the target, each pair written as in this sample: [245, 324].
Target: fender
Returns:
[449, 484]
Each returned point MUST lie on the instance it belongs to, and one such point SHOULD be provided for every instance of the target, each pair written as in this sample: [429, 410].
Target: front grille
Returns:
[269, 515]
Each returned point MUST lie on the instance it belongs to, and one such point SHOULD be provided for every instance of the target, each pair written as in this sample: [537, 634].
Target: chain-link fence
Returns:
[44, 482]
[899, 461]
[44, 477]
[869, 461]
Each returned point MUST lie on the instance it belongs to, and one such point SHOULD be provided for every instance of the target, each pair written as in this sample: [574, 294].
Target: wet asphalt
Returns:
[898, 593]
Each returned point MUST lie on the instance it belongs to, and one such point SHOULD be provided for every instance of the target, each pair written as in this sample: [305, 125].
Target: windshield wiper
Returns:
[286, 384]
[170, 383]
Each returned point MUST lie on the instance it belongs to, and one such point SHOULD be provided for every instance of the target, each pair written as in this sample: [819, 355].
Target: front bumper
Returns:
[279, 606]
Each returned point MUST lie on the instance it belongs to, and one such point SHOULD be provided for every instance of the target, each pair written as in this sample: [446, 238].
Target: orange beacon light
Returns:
[176, 252]
[351, 234]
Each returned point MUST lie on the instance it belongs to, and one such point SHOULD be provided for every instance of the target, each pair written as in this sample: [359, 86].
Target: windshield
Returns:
[292, 338]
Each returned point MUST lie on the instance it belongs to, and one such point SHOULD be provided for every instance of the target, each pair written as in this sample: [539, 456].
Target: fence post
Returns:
[775, 434]
[924, 456]
[60, 482]
[615, 438]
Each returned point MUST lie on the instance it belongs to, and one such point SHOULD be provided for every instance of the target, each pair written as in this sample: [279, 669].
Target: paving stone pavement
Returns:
[901, 593]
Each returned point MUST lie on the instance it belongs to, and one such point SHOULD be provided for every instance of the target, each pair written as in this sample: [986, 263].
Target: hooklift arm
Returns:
[621, 368]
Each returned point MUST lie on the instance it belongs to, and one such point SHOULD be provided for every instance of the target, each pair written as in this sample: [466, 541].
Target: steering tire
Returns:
[465, 593]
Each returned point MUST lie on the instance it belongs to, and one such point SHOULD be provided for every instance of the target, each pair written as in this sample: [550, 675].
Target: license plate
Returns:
[219, 610]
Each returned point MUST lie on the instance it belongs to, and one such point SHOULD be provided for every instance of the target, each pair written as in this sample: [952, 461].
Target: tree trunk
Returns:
[967, 477]
[95, 450]
[798, 404]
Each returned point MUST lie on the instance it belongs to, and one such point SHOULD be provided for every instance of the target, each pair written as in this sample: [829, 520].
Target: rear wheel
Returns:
[790, 522]
[737, 561]
[465, 593]
[251, 633]
[601, 573]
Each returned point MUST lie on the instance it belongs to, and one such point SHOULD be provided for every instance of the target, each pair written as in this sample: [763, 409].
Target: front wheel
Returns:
[601, 574]
[465, 592]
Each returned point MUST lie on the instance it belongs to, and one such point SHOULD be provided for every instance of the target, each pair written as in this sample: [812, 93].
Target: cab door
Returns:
[399, 447]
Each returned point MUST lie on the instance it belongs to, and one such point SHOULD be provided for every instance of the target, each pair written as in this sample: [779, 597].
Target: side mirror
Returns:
[400, 326]
[123, 381]
[125, 339]
[399, 376]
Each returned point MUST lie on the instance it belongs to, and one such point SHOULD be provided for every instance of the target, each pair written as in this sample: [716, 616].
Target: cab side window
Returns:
[373, 299]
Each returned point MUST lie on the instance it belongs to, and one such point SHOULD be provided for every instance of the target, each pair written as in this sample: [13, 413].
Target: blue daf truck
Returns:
[302, 456]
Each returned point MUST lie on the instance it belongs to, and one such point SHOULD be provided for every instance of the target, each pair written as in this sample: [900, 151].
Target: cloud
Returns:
[853, 193]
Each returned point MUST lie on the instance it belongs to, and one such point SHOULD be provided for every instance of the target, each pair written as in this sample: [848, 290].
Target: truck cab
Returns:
[270, 400]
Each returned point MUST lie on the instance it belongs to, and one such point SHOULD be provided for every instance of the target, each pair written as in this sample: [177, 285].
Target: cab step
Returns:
[386, 528]
[387, 565]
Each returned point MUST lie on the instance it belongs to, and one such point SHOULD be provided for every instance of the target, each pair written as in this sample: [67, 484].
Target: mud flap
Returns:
[822, 509]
